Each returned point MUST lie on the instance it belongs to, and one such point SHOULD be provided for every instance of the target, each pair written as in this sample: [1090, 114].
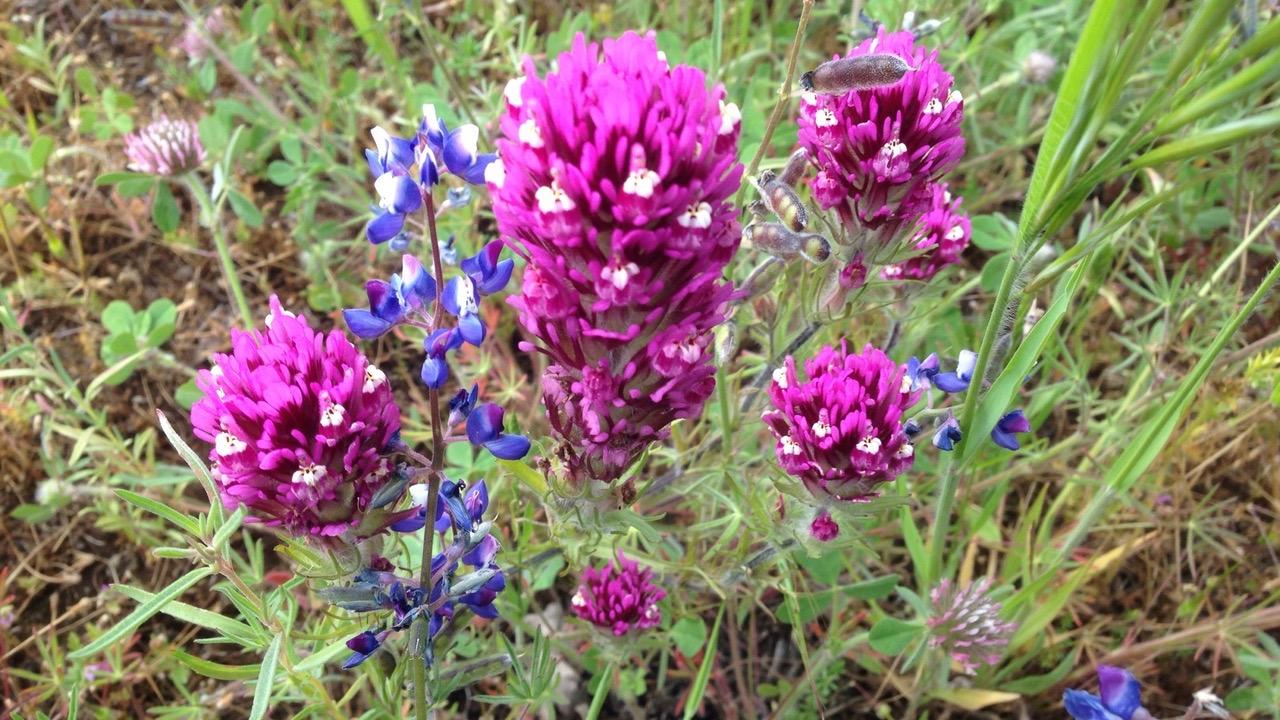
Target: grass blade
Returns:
[699, 688]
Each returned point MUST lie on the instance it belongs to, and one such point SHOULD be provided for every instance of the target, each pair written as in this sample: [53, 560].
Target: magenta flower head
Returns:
[613, 182]
[879, 150]
[619, 597]
[966, 624]
[840, 431]
[164, 147]
[298, 421]
[941, 235]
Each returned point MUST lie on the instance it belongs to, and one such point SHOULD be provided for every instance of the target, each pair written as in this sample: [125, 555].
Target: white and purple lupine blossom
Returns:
[377, 588]
[947, 434]
[1005, 432]
[966, 624]
[484, 429]
[165, 146]
[952, 382]
[1119, 698]
[920, 373]
[434, 150]
[390, 302]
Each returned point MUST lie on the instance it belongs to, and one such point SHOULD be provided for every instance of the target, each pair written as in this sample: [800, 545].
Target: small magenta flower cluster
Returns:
[966, 624]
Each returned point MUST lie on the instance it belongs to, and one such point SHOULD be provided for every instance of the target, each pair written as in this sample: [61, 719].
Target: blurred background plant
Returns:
[1120, 175]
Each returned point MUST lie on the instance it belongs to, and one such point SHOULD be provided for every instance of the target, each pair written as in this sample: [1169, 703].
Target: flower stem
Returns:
[437, 467]
[209, 218]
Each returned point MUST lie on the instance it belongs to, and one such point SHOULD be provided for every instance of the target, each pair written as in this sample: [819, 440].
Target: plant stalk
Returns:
[209, 217]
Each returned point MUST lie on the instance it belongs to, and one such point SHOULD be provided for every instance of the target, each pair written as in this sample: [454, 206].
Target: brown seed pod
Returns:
[794, 169]
[837, 77]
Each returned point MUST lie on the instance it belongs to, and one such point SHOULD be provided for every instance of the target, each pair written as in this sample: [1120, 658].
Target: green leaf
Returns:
[291, 148]
[873, 589]
[994, 233]
[231, 524]
[164, 209]
[1210, 140]
[117, 317]
[266, 678]
[282, 173]
[233, 629]
[141, 614]
[113, 178]
[215, 670]
[163, 314]
[136, 187]
[32, 513]
[195, 463]
[188, 394]
[891, 636]
[993, 271]
[1036, 684]
[159, 509]
[689, 634]
[245, 209]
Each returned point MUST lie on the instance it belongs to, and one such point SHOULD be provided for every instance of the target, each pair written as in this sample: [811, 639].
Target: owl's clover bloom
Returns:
[966, 624]
[165, 146]
[298, 421]
[879, 150]
[618, 597]
[942, 233]
[840, 430]
[614, 182]
[1119, 698]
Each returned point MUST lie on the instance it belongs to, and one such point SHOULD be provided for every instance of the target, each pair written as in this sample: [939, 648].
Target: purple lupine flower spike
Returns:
[364, 646]
[435, 368]
[966, 624]
[485, 269]
[959, 380]
[484, 429]
[398, 193]
[456, 149]
[840, 431]
[615, 183]
[389, 302]
[879, 150]
[920, 373]
[461, 403]
[298, 421]
[165, 147]
[1119, 698]
[1005, 432]
[461, 300]
[942, 233]
[619, 597]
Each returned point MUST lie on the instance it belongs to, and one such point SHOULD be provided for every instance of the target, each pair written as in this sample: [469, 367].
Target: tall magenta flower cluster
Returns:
[619, 597]
[298, 421]
[613, 181]
[840, 431]
[165, 146]
[879, 150]
[941, 233]
[966, 624]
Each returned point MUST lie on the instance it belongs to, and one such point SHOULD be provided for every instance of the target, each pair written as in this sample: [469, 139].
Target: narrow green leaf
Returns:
[159, 509]
[1209, 140]
[699, 687]
[317, 660]
[1222, 95]
[164, 209]
[266, 678]
[195, 463]
[113, 178]
[603, 684]
[229, 526]
[215, 670]
[370, 33]
[196, 616]
[125, 627]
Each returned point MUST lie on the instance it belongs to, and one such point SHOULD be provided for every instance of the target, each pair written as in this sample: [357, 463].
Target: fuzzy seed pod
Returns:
[794, 169]
[727, 342]
[761, 279]
[859, 72]
[774, 239]
[785, 203]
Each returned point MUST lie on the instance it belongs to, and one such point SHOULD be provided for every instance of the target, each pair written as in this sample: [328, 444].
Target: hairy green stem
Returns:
[210, 218]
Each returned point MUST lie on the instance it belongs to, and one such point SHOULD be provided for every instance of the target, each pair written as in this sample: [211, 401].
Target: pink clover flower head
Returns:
[619, 597]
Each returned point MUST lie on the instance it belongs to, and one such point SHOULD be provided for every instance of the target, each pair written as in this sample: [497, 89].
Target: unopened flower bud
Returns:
[859, 72]
[471, 582]
[1038, 67]
[727, 342]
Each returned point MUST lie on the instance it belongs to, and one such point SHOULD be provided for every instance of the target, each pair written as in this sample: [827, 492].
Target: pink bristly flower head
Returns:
[941, 235]
[879, 150]
[164, 147]
[966, 624]
[618, 597]
[298, 421]
[614, 182]
[840, 431]
[192, 40]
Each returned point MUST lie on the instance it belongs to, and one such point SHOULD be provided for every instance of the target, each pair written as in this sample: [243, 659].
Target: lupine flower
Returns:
[879, 150]
[840, 431]
[456, 149]
[959, 380]
[389, 302]
[618, 597]
[1119, 698]
[484, 429]
[435, 368]
[165, 147]
[824, 528]
[942, 233]
[966, 624]
[460, 405]
[399, 189]
[947, 434]
[920, 374]
[614, 182]
[1005, 432]
[364, 646]
[298, 421]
